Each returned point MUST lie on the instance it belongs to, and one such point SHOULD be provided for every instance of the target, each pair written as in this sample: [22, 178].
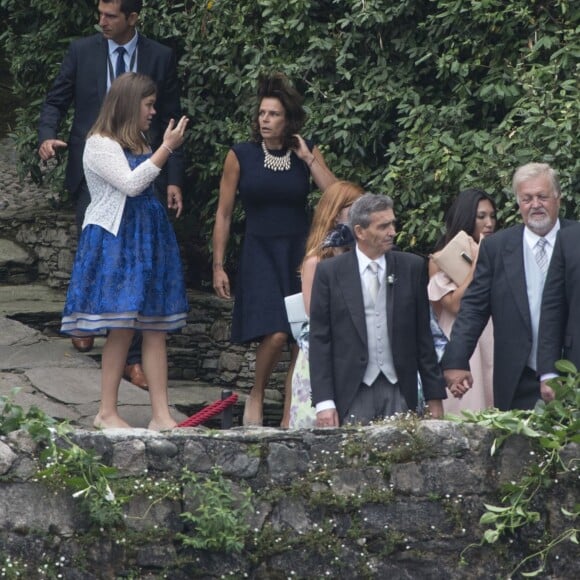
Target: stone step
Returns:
[190, 397]
[202, 354]
[50, 375]
[35, 305]
[17, 264]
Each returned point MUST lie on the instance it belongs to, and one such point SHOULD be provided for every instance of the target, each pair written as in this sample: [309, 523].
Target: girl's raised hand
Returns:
[175, 133]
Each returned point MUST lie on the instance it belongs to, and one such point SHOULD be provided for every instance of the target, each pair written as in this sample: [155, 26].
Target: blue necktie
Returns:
[120, 68]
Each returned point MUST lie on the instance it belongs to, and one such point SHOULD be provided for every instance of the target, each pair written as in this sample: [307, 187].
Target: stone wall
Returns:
[400, 500]
[50, 236]
[203, 351]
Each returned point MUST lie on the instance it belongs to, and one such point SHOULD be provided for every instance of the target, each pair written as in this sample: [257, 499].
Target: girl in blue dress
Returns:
[127, 272]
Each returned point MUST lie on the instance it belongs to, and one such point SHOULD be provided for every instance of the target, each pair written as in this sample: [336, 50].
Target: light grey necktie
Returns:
[541, 255]
[373, 280]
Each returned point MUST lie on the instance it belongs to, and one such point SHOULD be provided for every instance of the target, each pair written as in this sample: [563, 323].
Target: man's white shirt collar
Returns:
[129, 47]
[532, 238]
[364, 261]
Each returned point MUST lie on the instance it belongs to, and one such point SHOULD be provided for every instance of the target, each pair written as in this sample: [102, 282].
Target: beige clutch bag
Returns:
[455, 258]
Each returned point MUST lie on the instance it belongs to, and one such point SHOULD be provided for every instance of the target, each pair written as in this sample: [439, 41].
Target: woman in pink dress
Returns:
[473, 212]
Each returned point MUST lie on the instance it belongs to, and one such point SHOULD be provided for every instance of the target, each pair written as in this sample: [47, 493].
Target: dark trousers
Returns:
[528, 390]
[82, 202]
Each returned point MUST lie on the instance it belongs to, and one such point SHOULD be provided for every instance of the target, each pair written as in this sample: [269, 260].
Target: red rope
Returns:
[208, 412]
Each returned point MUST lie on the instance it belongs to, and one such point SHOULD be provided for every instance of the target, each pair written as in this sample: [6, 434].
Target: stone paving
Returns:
[44, 369]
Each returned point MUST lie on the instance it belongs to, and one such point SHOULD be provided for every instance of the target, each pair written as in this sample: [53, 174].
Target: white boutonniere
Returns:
[391, 279]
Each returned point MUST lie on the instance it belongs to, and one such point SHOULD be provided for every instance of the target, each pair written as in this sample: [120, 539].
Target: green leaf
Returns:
[491, 536]
[496, 509]
[568, 513]
[565, 366]
[488, 518]
[532, 574]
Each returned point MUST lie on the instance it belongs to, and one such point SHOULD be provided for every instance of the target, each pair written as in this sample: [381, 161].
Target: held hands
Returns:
[458, 381]
[174, 134]
[47, 149]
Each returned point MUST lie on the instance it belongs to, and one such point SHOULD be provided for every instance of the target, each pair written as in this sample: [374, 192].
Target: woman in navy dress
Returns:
[127, 273]
[273, 175]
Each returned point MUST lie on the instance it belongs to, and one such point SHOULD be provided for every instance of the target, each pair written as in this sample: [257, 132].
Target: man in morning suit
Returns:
[508, 285]
[369, 326]
[560, 318]
[86, 73]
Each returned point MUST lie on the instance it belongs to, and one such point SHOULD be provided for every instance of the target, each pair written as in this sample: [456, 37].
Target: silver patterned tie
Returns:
[373, 280]
[541, 255]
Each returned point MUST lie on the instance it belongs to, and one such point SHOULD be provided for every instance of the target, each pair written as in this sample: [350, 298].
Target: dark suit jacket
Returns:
[338, 339]
[82, 80]
[560, 318]
[498, 290]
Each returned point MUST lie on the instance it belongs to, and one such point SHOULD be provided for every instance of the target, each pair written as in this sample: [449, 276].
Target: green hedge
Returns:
[414, 98]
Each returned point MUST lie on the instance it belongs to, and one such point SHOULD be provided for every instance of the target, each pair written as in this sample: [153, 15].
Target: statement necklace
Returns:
[275, 163]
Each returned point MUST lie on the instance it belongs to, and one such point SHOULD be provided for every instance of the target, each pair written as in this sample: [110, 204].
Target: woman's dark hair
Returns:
[462, 214]
[277, 86]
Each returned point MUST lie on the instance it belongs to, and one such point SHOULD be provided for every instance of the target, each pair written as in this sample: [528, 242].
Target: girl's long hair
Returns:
[119, 117]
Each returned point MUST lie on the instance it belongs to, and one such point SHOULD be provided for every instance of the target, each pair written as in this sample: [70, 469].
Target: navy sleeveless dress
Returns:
[131, 280]
[277, 223]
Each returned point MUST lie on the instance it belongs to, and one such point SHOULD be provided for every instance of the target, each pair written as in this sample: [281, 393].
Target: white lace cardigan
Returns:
[110, 180]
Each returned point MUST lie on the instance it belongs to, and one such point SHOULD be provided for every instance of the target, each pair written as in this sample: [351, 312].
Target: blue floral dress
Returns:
[133, 280]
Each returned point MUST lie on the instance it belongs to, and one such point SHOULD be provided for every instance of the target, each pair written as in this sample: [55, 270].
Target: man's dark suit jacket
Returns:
[498, 290]
[560, 319]
[338, 339]
[82, 80]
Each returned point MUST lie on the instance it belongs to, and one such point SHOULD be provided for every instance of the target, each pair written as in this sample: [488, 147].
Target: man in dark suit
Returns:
[560, 318]
[86, 73]
[369, 326]
[508, 285]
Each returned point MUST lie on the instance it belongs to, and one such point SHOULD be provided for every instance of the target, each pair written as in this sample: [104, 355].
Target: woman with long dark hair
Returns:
[473, 212]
